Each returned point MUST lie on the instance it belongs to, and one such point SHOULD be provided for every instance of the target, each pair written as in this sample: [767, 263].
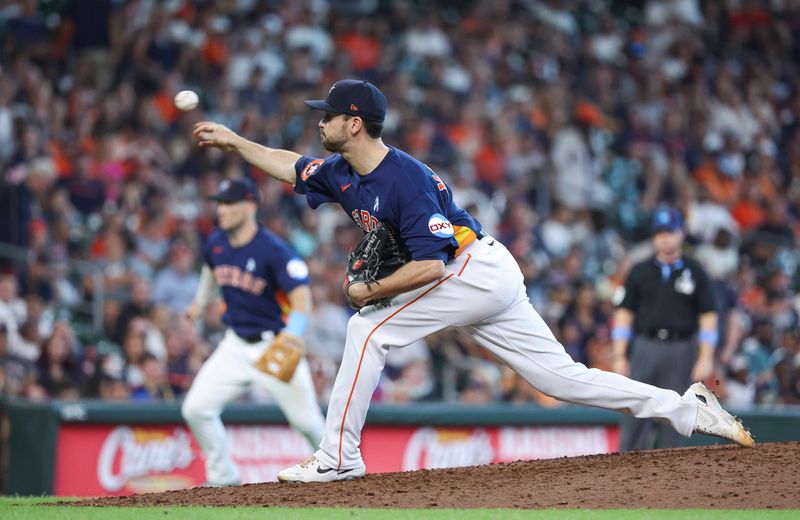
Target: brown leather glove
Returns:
[281, 358]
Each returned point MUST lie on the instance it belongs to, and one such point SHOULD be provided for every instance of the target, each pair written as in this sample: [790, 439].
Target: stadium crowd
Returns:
[560, 125]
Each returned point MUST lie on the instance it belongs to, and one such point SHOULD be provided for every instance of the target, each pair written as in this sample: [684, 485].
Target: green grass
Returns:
[13, 508]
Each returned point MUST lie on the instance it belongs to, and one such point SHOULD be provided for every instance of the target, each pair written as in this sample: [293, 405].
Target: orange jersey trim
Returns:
[465, 236]
[283, 303]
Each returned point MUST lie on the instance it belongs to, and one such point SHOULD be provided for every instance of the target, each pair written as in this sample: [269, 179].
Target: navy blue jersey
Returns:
[402, 191]
[254, 280]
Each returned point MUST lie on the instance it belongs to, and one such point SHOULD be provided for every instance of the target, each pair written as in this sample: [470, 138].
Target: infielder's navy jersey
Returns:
[402, 191]
[254, 280]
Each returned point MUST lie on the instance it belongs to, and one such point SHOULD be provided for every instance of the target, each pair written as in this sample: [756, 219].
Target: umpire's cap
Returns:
[355, 97]
[237, 190]
[667, 219]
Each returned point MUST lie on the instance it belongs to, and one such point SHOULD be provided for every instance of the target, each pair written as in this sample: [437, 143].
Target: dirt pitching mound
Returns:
[767, 476]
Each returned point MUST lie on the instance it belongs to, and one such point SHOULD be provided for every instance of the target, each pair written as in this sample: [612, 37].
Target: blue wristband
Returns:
[709, 336]
[621, 333]
[296, 323]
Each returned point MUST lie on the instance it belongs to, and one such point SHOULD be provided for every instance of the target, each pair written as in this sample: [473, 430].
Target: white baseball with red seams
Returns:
[186, 100]
[505, 323]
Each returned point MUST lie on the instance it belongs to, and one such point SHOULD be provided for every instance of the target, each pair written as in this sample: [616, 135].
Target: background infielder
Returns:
[261, 279]
[458, 277]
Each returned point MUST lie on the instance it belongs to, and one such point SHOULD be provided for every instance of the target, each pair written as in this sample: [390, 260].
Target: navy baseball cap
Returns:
[237, 190]
[667, 219]
[355, 97]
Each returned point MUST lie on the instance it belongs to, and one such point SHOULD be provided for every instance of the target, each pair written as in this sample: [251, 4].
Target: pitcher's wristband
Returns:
[709, 336]
[296, 323]
[621, 333]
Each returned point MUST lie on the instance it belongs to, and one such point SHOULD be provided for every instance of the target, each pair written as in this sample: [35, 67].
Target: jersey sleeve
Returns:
[311, 181]
[206, 249]
[706, 297]
[206, 255]
[290, 270]
[424, 228]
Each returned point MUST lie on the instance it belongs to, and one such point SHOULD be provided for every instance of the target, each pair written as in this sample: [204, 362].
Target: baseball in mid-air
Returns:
[186, 100]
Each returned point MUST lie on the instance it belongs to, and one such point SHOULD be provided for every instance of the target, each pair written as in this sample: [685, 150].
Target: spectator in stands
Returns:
[155, 384]
[581, 321]
[740, 388]
[407, 376]
[59, 368]
[152, 244]
[517, 103]
[17, 375]
[178, 362]
[139, 306]
[758, 350]
[13, 313]
[175, 285]
[481, 385]
[133, 355]
[114, 389]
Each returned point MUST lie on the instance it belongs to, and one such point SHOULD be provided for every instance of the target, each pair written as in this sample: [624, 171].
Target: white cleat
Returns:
[712, 419]
[312, 470]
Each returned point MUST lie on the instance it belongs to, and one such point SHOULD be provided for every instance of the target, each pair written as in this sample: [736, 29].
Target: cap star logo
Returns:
[353, 107]
[224, 185]
[251, 265]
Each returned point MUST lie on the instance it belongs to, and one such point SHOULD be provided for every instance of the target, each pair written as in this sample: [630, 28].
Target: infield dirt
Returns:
[709, 477]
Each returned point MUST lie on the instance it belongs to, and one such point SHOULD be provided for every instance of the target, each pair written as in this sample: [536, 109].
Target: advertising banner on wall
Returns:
[97, 460]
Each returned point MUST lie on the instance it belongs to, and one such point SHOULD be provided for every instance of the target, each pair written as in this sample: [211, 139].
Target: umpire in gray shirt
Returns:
[667, 315]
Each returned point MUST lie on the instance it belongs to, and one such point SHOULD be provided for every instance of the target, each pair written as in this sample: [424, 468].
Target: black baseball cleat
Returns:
[312, 470]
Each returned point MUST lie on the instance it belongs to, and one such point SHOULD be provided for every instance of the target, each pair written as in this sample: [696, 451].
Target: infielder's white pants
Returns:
[222, 379]
[483, 294]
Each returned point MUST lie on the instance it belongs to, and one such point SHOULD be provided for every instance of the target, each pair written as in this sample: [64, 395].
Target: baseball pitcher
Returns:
[265, 288]
[455, 276]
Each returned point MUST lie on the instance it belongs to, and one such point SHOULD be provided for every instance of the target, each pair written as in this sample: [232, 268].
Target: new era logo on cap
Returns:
[237, 190]
[355, 97]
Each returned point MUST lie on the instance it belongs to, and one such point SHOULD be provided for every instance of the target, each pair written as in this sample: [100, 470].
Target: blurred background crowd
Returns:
[560, 125]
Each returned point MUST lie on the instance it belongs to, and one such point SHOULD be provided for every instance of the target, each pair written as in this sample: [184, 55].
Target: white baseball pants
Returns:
[483, 295]
[222, 379]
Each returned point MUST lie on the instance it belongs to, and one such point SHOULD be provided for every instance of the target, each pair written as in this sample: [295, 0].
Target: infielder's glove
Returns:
[281, 358]
[380, 253]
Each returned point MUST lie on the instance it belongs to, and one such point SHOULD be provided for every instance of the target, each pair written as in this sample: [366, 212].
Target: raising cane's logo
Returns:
[446, 448]
[129, 454]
